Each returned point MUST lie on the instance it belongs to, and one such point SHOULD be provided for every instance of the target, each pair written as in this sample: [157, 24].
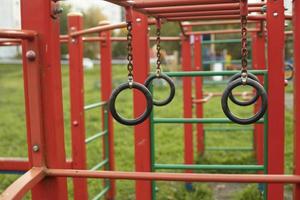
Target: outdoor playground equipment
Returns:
[47, 165]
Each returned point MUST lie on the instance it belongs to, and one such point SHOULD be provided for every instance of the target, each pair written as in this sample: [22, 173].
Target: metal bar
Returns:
[276, 92]
[212, 73]
[99, 165]
[97, 135]
[225, 129]
[229, 149]
[14, 164]
[95, 105]
[98, 29]
[18, 34]
[175, 9]
[22, 185]
[160, 176]
[106, 89]
[223, 61]
[102, 193]
[209, 167]
[75, 22]
[194, 120]
[228, 31]
[165, 3]
[199, 92]
[209, 23]
[296, 32]
[221, 41]
[217, 17]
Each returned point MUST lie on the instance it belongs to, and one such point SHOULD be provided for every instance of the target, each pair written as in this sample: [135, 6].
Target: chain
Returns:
[158, 54]
[244, 50]
[129, 52]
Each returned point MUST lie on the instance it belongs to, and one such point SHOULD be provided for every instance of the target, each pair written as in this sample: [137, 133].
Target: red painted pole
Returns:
[199, 92]
[75, 45]
[52, 107]
[296, 31]
[106, 88]
[258, 62]
[142, 131]
[275, 30]
[187, 100]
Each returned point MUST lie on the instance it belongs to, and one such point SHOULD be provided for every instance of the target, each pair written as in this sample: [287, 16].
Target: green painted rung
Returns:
[102, 193]
[229, 129]
[229, 149]
[95, 105]
[211, 73]
[223, 61]
[97, 135]
[100, 165]
[209, 167]
[222, 41]
[195, 120]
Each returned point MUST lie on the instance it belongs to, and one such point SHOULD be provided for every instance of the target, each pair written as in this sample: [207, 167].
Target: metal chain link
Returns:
[158, 53]
[244, 50]
[129, 52]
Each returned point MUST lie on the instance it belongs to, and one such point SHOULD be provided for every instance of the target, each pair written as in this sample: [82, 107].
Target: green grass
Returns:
[168, 137]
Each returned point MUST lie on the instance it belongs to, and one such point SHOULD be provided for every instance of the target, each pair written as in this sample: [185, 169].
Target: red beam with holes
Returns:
[199, 92]
[76, 77]
[275, 34]
[187, 100]
[258, 62]
[106, 88]
[141, 131]
[296, 31]
[46, 78]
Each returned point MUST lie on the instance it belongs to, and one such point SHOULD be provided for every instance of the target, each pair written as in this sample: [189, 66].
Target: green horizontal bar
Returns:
[222, 41]
[229, 149]
[212, 73]
[102, 193]
[194, 120]
[209, 167]
[97, 135]
[224, 129]
[95, 105]
[223, 61]
[101, 164]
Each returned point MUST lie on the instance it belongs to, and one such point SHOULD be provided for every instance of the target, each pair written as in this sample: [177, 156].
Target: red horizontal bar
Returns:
[217, 17]
[207, 13]
[189, 177]
[208, 23]
[227, 6]
[228, 31]
[14, 164]
[22, 185]
[165, 3]
[18, 34]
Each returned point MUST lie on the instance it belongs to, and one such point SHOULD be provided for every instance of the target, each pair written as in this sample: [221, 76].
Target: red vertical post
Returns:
[52, 106]
[199, 92]
[75, 45]
[187, 100]
[296, 28]
[275, 31]
[106, 88]
[142, 131]
[258, 62]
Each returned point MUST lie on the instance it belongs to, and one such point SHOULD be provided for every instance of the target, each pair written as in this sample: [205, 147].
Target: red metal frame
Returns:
[296, 32]
[276, 110]
[106, 88]
[258, 62]
[199, 92]
[187, 100]
[75, 45]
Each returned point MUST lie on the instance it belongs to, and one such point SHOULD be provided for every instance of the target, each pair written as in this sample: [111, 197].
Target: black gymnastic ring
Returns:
[171, 85]
[141, 118]
[289, 67]
[259, 90]
[243, 103]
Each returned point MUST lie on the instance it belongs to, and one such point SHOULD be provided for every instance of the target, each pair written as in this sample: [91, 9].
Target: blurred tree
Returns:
[64, 25]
